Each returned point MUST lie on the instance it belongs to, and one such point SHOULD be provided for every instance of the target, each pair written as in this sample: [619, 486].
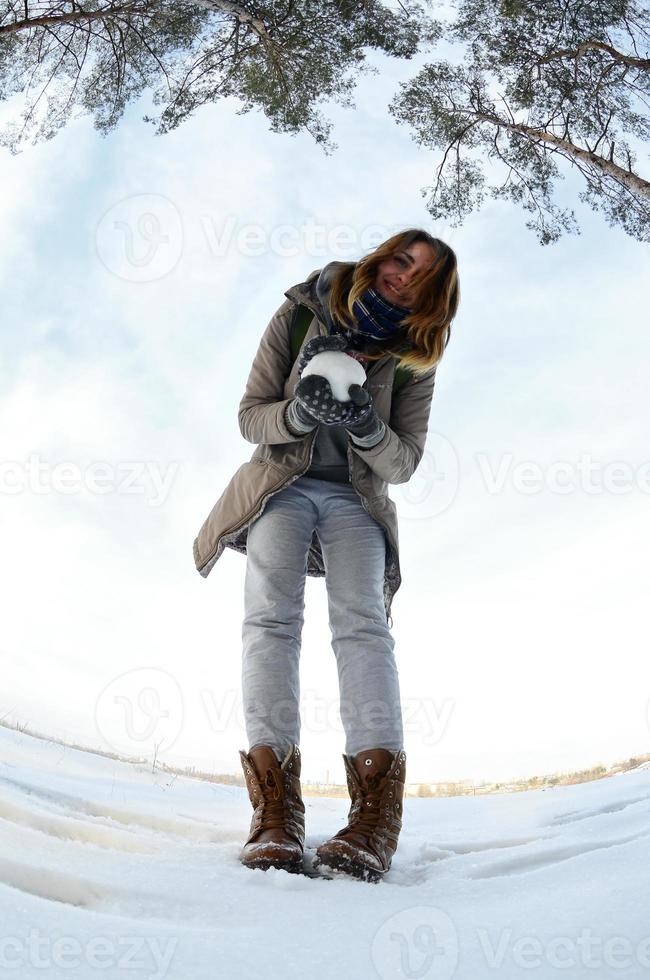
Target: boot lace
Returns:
[367, 816]
[273, 807]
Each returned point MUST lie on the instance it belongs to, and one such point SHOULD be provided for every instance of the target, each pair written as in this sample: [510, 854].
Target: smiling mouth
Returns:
[392, 288]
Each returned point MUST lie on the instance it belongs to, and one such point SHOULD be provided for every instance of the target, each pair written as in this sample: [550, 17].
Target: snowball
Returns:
[339, 368]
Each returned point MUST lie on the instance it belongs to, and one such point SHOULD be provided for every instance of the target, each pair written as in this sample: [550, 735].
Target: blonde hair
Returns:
[428, 324]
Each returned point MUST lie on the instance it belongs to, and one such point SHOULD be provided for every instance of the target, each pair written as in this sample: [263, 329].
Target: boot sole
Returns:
[293, 867]
[356, 869]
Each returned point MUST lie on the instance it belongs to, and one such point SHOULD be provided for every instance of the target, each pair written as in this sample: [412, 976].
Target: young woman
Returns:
[313, 500]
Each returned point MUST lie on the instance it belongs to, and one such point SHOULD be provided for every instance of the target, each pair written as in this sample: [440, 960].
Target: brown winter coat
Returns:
[281, 457]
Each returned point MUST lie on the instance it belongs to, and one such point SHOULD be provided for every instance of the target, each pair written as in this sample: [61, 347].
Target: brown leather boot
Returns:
[277, 831]
[365, 847]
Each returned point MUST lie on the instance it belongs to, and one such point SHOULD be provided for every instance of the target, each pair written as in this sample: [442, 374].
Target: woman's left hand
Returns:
[364, 421]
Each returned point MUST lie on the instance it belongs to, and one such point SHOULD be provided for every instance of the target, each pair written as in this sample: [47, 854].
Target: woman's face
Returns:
[395, 273]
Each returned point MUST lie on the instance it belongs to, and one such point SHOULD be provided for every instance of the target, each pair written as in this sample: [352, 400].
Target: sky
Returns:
[138, 275]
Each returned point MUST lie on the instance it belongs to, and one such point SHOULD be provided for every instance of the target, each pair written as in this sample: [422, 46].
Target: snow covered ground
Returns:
[108, 870]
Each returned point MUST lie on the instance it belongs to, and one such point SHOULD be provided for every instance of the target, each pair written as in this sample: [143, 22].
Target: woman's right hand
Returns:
[314, 396]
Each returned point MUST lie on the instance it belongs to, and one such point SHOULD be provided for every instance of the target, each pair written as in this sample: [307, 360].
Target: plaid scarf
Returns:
[377, 320]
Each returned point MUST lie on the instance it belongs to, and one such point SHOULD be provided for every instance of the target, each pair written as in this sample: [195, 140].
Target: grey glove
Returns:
[314, 395]
[365, 427]
[298, 419]
[317, 345]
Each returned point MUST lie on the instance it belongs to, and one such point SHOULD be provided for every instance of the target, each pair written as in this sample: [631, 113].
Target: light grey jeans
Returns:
[353, 546]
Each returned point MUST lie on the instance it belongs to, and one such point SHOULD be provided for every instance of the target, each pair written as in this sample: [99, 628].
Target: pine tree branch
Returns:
[626, 177]
[618, 56]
